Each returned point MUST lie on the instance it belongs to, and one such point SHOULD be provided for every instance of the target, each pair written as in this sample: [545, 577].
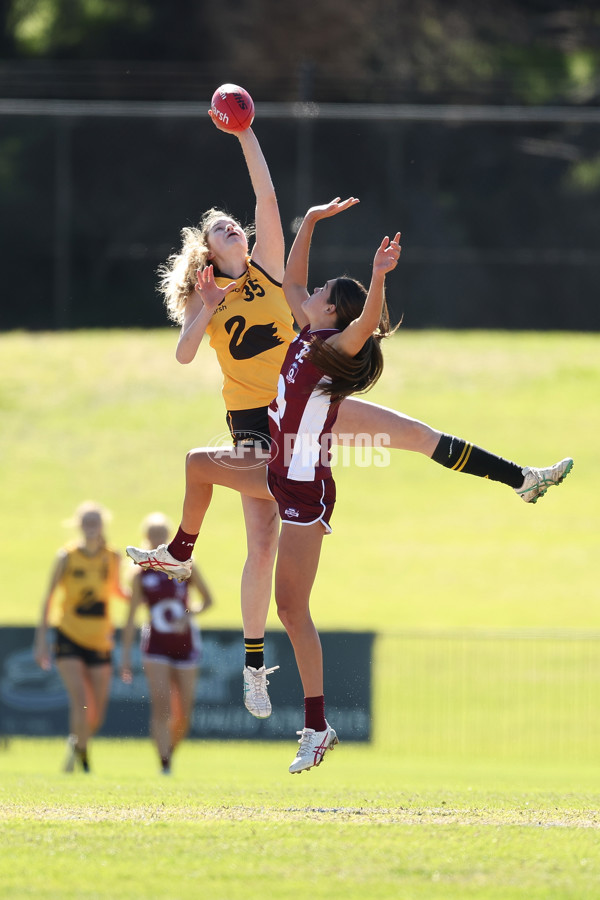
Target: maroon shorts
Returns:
[182, 651]
[303, 502]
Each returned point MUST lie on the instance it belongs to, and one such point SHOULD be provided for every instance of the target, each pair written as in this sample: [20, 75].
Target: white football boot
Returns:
[537, 481]
[313, 745]
[160, 560]
[256, 696]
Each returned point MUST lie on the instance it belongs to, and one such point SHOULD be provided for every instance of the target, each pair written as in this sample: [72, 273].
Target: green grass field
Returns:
[232, 821]
[482, 780]
[110, 415]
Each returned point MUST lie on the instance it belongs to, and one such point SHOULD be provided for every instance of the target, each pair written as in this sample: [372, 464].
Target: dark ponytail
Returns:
[350, 374]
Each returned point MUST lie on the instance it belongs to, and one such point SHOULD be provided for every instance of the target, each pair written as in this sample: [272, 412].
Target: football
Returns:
[233, 107]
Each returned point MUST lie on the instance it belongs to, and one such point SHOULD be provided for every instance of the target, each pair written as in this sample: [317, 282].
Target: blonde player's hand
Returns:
[218, 124]
[208, 289]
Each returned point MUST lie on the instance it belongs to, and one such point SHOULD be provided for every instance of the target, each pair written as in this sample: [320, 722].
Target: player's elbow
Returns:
[183, 355]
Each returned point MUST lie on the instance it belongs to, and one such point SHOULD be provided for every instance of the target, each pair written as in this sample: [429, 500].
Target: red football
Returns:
[233, 107]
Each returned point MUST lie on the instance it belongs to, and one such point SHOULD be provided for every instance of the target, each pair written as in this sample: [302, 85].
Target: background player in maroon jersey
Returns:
[171, 645]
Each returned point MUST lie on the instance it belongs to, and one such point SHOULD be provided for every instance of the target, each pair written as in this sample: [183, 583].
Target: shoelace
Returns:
[536, 485]
[259, 682]
[305, 736]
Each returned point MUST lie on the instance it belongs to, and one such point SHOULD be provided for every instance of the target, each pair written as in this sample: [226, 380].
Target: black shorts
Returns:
[65, 648]
[250, 426]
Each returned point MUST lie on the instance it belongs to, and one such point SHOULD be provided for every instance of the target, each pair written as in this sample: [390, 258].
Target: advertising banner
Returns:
[34, 702]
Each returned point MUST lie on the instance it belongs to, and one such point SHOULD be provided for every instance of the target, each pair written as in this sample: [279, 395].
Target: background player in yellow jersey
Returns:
[86, 574]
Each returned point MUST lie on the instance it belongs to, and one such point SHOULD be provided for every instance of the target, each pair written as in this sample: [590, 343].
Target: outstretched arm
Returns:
[295, 280]
[353, 337]
[269, 248]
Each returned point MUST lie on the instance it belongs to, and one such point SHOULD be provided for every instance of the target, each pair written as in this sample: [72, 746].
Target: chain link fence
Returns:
[498, 205]
[492, 694]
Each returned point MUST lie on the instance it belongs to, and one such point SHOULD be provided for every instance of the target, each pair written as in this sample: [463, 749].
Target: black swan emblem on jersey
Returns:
[255, 340]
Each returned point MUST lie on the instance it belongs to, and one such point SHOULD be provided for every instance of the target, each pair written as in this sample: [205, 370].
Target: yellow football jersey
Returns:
[250, 332]
[88, 584]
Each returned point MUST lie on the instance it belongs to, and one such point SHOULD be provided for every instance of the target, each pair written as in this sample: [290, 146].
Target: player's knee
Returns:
[292, 614]
[285, 617]
[262, 550]
[194, 463]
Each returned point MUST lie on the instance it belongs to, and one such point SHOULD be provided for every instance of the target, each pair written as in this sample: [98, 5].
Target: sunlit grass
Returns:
[110, 415]
[482, 780]
[364, 822]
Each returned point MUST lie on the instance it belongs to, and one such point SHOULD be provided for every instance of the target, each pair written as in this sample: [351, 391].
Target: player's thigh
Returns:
[184, 681]
[72, 672]
[98, 679]
[241, 468]
[158, 676]
[297, 563]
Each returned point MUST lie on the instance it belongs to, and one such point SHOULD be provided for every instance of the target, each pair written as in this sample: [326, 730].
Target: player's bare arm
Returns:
[129, 629]
[269, 248]
[198, 312]
[352, 338]
[295, 280]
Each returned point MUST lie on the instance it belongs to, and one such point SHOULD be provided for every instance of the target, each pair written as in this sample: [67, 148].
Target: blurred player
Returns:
[87, 574]
[171, 645]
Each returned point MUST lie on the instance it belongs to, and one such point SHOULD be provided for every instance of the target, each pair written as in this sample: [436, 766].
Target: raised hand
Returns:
[208, 289]
[387, 255]
[332, 208]
[218, 124]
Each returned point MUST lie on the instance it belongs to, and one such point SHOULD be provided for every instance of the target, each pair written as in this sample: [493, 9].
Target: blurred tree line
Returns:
[500, 219]
[375, 51]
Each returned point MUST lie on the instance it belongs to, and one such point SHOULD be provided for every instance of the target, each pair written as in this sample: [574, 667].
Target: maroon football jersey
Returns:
[301, 416]
[167, 600]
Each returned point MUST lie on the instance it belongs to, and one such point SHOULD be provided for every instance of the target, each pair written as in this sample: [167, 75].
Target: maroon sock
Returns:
[182, 545]
[314, 713]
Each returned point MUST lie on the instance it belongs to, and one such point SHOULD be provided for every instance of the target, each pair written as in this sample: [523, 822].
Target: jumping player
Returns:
[336, 353]
[249, 325]
[170, 642]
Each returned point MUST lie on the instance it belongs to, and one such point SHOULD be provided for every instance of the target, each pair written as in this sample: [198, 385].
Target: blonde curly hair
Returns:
[177, 276]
